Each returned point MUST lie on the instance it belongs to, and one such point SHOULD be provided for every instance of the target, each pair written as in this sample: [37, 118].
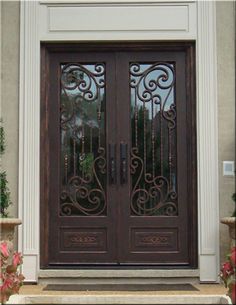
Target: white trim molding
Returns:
[29, 134]
[101, 20]
[207, 140]
[194, 20]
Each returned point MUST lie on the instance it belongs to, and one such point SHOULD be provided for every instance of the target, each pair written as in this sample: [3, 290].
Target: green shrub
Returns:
[2, 139]
[4, 194]
[234, 199]
[5, 200]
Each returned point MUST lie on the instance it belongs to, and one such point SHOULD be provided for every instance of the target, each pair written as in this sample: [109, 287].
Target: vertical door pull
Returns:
[123, 163]
[112, 163]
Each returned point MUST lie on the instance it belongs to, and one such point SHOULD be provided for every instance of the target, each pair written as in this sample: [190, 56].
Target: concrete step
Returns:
[202, 294]
[119, 299]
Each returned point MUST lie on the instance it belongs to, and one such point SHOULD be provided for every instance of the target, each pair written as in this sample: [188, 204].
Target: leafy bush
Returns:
[2, 139]
[5, 200]
[4, 195]
[234, 199]
[11, 278]
[228, 274]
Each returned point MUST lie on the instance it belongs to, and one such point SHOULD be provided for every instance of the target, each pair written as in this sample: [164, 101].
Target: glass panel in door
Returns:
[83, 140]
[153, 128]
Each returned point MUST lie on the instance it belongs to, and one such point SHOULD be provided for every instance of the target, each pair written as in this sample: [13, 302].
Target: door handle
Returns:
[123, 163]
[112, 163]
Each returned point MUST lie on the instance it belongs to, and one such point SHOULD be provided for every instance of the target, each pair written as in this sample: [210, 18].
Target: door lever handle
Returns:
[112, 163]
[123, 163]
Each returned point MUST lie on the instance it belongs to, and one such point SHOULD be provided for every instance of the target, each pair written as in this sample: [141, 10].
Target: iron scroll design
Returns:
[83, 154]
[153, 153]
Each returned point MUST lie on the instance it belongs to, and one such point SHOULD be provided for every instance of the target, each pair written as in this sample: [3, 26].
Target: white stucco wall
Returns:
[10, 29]
[226, 108]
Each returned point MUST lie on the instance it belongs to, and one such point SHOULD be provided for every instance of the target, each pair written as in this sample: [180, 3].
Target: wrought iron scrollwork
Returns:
[153, 119]
[83, 140]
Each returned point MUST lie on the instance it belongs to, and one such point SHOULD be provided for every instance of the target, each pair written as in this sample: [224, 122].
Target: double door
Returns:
[118, 156]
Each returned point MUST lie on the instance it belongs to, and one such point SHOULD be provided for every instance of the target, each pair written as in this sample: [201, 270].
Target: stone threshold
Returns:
[120, 299]
[137, 276]
[115, 273]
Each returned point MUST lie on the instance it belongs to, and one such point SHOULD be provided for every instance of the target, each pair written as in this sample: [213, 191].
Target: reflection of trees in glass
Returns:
[146, 131]
[148, 136]
[83, 121]
[82, 144]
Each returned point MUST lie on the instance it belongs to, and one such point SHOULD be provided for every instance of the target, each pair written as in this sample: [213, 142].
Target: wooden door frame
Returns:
[50, 48]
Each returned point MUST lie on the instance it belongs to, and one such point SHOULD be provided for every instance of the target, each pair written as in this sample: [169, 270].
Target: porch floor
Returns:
[202, 289]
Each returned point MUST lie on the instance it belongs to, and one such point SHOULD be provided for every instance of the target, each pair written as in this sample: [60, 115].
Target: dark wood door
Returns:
[118, 168]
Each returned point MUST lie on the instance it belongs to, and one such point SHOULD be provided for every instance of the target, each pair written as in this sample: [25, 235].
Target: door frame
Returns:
[195, 20]
[191, 188]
